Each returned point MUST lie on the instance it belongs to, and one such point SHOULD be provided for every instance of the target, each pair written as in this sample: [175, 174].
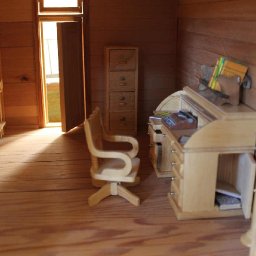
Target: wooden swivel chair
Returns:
[113, 167]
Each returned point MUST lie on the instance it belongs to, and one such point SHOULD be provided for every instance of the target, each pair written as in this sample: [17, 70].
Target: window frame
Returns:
[78, 9]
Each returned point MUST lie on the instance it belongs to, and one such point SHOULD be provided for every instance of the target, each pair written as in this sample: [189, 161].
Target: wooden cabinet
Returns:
[121, 78]
[220, 149]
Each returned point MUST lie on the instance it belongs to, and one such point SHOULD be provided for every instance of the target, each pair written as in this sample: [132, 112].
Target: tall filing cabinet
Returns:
[121, 74]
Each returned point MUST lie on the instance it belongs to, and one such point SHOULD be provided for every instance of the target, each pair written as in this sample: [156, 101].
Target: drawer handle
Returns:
[173, 151]
[122, 104]
[173, 178]
[122, 83]
[173, 163]
[122, 119]
[172, 193]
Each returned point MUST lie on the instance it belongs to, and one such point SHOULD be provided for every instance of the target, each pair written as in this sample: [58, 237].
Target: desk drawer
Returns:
[179, 169]
[122, 101]
[176, 193]
[177, 152]
[155, 136]
[122, 59]
[122, 81]
[176, 164]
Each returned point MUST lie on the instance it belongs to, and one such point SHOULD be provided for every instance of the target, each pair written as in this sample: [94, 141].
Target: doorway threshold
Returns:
[53, 124]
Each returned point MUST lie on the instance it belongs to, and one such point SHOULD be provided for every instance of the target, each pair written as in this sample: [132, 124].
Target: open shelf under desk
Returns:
[214, 213]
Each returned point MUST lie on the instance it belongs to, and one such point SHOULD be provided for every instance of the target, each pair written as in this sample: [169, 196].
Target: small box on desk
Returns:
[180, 120]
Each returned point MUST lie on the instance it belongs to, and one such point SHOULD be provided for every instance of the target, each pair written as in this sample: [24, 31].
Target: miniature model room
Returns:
[127, 127]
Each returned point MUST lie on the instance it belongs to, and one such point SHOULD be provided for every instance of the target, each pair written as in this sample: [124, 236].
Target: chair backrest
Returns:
[94, 135]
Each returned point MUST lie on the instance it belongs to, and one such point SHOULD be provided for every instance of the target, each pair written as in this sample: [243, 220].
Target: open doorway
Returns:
[62, 72]
[51, 73]
[61, 44]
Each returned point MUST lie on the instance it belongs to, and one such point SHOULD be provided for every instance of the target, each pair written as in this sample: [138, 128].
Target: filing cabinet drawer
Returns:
[122, 101]
[122, 81]
[122, 59]
[122, 121]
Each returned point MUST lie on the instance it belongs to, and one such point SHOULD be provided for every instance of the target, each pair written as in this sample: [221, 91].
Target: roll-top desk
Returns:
[220, 149]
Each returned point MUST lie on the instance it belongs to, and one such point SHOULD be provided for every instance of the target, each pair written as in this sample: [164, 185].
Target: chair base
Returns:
[114, 189]
[101, 183]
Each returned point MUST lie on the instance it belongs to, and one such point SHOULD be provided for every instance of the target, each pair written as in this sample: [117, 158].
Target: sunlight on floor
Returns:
[25, 147]
[46, 135]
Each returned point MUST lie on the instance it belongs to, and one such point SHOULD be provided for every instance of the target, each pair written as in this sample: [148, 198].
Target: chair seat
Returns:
[116, 164]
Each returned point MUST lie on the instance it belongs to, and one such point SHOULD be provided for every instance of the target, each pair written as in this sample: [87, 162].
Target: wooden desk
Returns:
[220, 148]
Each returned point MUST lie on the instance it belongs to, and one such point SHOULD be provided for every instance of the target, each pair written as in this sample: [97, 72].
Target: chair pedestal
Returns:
[101, 183]
[114, 189]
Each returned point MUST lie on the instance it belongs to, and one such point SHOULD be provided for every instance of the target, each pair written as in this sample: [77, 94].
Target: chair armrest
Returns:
[122, 138]
[114, 154]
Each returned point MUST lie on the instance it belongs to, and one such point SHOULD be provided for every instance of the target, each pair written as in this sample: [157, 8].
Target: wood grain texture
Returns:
[149, 25]
[16, 10]
[208, 29]
[19, 64]
[224, 9]
[16, 34]
[44, 187]
[27, 90]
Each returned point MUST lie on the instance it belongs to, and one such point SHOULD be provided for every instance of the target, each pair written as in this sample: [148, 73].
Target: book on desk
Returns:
[226, 202]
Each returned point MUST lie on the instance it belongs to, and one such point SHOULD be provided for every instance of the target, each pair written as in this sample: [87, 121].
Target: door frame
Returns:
[41, 72]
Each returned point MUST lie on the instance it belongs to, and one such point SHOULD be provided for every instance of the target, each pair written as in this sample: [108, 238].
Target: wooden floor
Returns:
[44, 186]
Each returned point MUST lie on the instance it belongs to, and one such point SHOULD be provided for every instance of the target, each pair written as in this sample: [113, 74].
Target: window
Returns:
[60, 3]
[61, 6]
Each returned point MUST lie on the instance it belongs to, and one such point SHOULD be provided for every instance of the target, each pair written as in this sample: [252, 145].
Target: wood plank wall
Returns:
[150, 25]
[209, 28]
[18, 62]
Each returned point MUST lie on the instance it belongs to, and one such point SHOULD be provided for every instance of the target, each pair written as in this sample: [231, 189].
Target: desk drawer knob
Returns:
[172, 193]
[173, 178]
[173, 163]
[173, 151]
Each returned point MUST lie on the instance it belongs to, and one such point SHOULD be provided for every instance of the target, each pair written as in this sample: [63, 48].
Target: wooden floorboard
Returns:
[44, 186]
